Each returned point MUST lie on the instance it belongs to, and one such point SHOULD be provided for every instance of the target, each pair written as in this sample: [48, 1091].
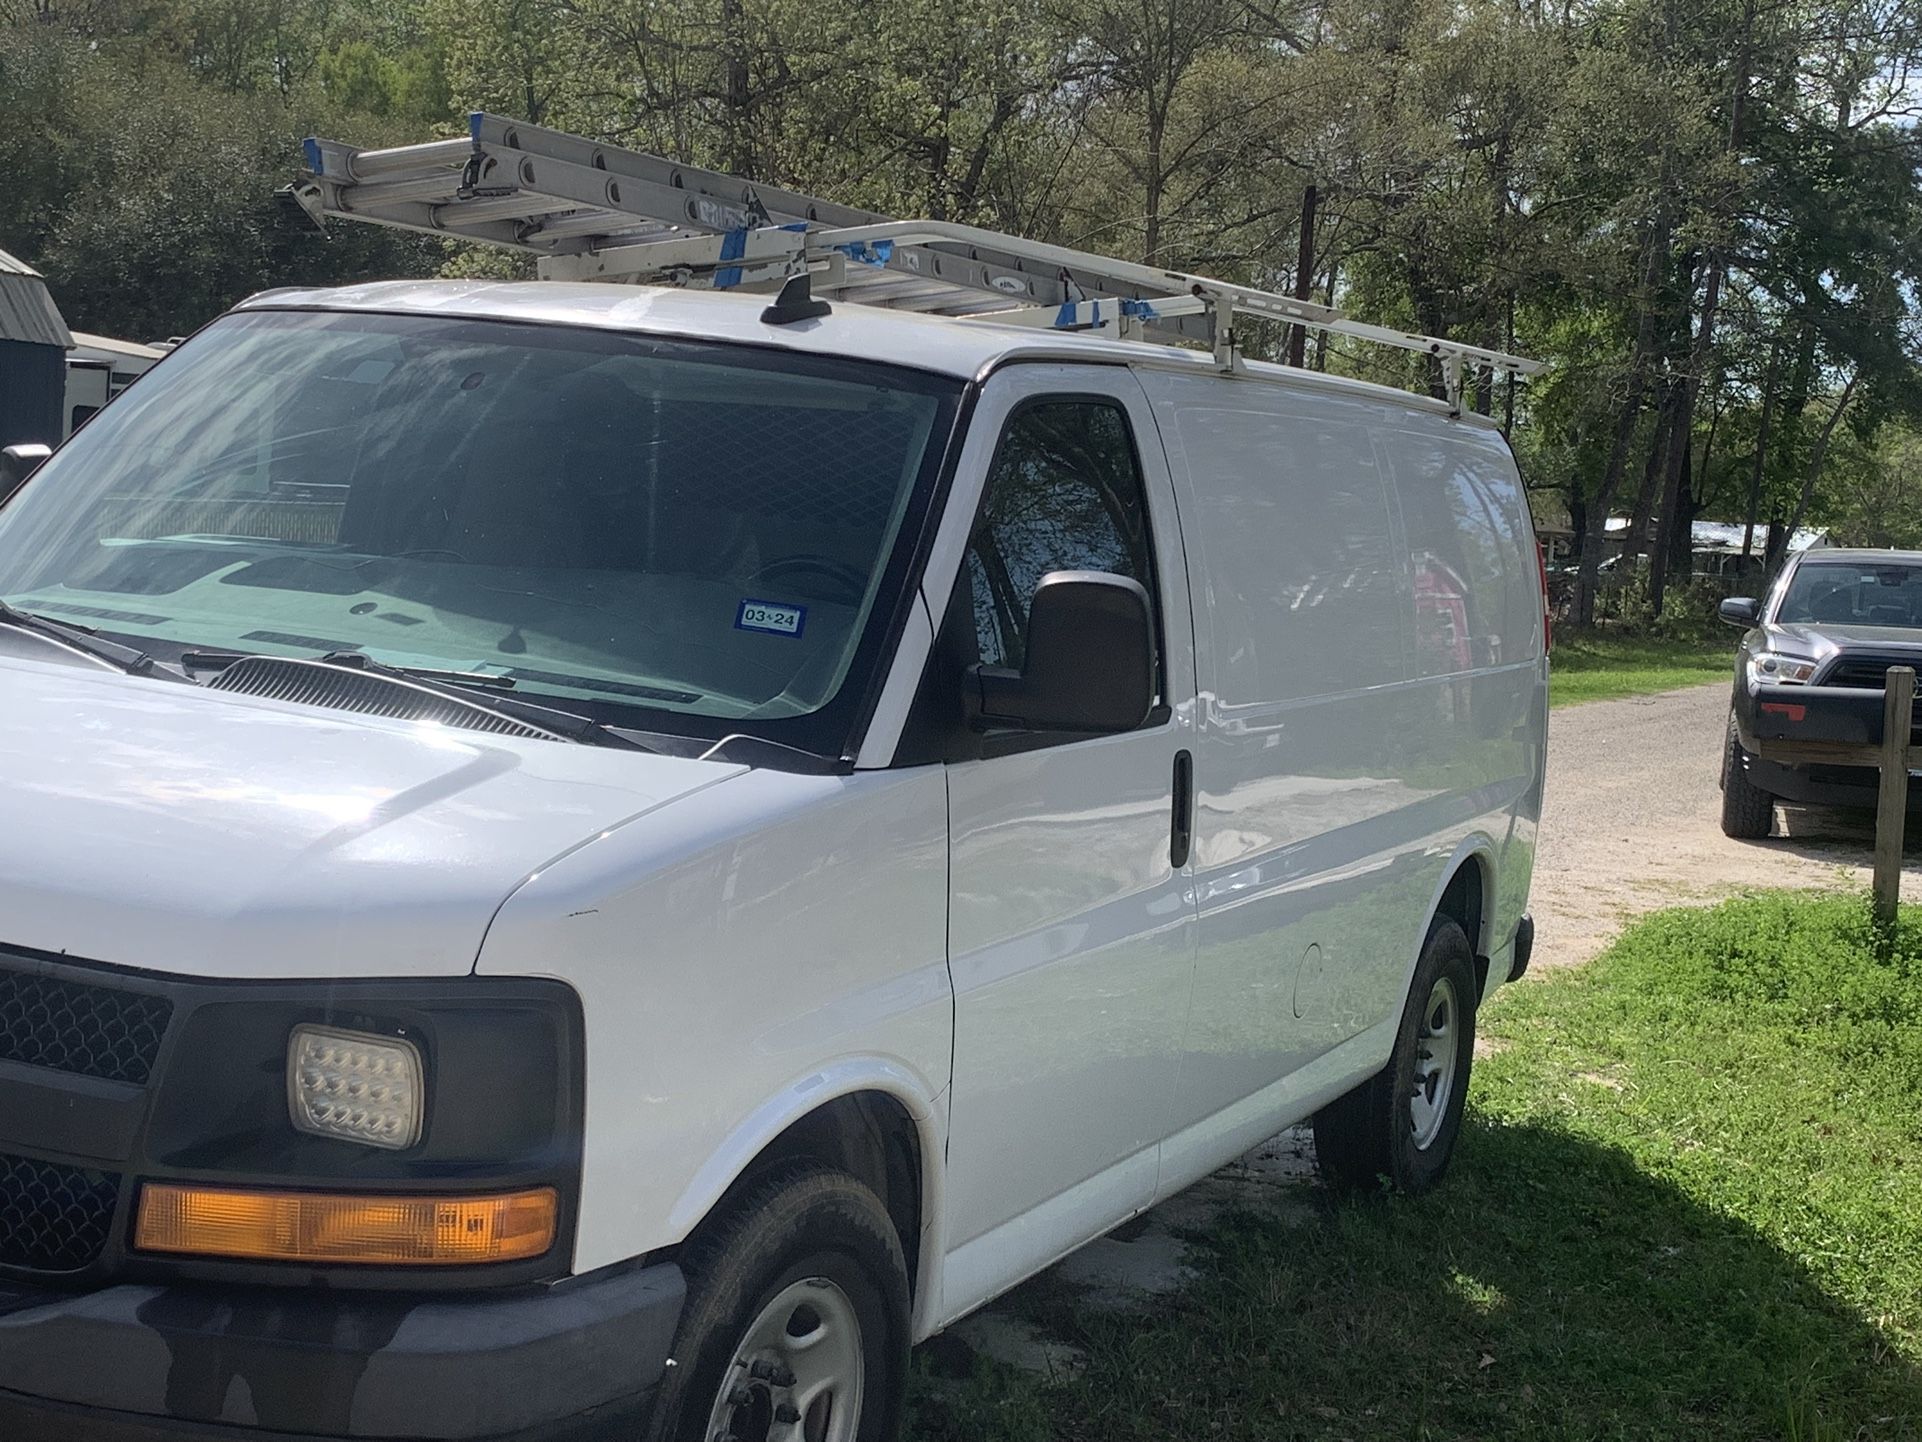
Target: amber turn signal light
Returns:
[404, 1231]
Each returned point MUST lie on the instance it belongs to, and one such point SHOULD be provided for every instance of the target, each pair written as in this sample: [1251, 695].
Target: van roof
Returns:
[964, 348]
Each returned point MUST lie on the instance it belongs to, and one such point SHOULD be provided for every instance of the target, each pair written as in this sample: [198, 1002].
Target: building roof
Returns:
[27, 312]
[1727, 535]
[945, 345]
[107, 346]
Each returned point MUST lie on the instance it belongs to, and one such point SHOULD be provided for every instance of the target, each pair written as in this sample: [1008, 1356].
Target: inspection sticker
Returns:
[774, 616]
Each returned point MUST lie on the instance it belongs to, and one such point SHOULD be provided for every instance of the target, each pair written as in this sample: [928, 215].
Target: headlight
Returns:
[1777, 669]
[354, 1086]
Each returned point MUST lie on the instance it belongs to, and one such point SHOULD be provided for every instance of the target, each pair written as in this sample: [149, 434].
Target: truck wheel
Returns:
[1748, 812]
[796, 1321]
[1402, 1122]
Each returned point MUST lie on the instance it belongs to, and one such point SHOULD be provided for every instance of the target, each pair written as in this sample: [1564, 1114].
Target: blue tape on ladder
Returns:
[474, 118]
[1064, 318]
[1138, 309]
[733, 247]
[311, 148]
[877, 253]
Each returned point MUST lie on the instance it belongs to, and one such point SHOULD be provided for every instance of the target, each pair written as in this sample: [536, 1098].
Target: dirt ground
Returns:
[1631, 823]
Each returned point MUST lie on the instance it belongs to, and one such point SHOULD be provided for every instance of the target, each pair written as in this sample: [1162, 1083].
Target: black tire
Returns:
[804, 1223]
[1369, 1134]
[1748, 812]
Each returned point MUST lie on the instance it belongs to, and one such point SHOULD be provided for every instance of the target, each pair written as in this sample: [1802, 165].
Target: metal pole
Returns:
[1898, 709]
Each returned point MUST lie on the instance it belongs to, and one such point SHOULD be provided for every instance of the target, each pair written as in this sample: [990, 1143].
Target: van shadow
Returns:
[1550, 1289]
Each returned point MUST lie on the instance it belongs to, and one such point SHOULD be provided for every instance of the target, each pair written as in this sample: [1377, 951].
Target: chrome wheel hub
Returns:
[796, 1375]
[1436, 1047]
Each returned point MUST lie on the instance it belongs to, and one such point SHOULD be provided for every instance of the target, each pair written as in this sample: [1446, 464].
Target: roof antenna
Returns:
[795, 302]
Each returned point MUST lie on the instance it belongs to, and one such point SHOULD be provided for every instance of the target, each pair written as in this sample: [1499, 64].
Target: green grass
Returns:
[1595, 666]
[1688, 1204]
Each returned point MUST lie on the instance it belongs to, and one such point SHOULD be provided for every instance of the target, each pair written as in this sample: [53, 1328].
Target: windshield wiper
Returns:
[569, 724]
[221, 660]
[455, 685]
[83, 639]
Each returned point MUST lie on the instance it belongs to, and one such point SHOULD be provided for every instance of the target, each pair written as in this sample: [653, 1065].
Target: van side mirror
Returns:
[19, 462]
[1090, 665]
[1740, 610]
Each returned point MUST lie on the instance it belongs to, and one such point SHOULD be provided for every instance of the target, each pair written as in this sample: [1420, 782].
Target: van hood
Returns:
[178, 829]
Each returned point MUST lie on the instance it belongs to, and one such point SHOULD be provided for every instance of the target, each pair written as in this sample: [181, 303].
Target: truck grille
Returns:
[1856, 669]
[69, 1026]
[53, 1218]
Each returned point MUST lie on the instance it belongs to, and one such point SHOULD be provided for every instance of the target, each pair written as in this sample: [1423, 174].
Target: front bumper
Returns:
[1798, 723]
[1818, 745]
[577, 1361]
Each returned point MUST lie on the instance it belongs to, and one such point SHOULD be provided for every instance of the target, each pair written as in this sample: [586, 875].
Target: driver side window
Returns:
[1065, 494]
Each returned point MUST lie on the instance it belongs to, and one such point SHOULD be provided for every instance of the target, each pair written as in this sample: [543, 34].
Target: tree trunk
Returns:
[1641, 512]
[740, 144]
[1684, 426]
[1653, 264]
[1304, 275]
[1817, 454]
[1761, 453]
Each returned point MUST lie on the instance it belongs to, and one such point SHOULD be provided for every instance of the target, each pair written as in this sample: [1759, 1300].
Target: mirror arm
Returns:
[986, 692]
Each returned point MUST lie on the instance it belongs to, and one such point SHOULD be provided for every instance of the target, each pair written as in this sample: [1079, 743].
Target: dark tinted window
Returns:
[1853, 593]
[1065, 495]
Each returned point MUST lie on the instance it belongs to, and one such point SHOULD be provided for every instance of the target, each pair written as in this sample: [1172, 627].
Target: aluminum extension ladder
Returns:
[600, 212]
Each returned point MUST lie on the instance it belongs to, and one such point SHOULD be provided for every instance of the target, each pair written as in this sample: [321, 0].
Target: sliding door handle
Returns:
[1181, 833]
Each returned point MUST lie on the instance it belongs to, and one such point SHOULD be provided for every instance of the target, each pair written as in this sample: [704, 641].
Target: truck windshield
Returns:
[1853, 593]
[710, 535]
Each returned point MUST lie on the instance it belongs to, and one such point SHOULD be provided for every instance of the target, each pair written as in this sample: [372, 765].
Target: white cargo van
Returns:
[583, 861]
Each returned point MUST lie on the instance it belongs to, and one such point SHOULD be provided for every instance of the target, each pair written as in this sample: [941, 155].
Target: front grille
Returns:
[70, 1026]
[53, 1218]
[1867, 671]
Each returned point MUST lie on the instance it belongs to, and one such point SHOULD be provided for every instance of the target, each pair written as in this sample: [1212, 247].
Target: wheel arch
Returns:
[1466, 894]
[869, 1118]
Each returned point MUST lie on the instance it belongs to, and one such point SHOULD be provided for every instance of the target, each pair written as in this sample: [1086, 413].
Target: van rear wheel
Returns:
[1402, 1123]
[796, 1321]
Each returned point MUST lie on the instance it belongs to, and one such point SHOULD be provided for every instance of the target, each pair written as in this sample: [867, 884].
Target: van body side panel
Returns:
[1483, 727]
[1341, 765]
[778, 942]
[1303, 866]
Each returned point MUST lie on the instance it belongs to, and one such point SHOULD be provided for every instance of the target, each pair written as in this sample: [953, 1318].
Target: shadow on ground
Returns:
[1551, 1289]
[1829, 834]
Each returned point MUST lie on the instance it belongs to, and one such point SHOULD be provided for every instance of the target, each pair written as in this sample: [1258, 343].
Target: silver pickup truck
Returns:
[1809, 681]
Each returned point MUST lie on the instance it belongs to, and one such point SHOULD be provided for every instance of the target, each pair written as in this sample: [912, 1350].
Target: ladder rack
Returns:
[600, 212]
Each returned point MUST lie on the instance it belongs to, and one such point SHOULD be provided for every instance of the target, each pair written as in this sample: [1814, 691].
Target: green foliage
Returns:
[146, 196]
[1685, 1206]
[1598, 666]
[1563, 180]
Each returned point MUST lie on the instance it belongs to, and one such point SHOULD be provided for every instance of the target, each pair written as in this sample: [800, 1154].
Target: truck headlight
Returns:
[1775, 668]
[355, 1086]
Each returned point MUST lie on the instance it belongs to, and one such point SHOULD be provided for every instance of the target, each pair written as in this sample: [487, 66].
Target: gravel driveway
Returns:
[1631, 822]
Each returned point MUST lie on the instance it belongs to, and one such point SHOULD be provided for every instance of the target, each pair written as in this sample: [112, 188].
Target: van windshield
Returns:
[709, 534]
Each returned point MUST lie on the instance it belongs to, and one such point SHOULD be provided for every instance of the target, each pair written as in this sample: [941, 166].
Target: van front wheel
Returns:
[1402, 1123]
[796, 1322]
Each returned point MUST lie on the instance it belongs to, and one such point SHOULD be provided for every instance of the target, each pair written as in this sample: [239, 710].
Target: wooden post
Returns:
[1898, 708]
